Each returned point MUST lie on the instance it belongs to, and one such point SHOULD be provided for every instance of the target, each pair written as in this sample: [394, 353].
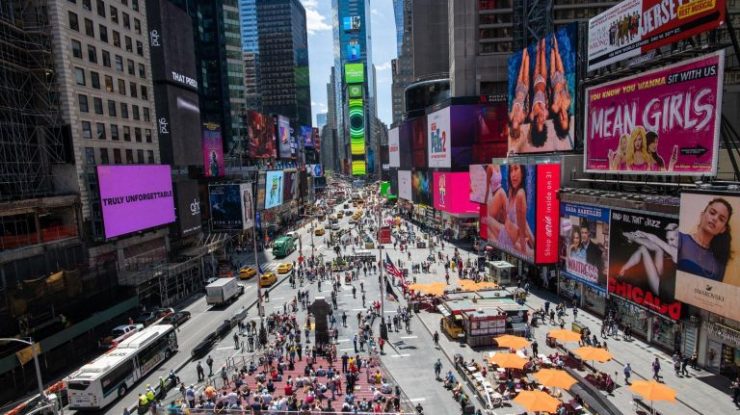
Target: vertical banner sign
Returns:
[404, 185]
[548, 209]
[660, 122]
[213, 150]
[247, 205]
[439, 142]
[394, 156]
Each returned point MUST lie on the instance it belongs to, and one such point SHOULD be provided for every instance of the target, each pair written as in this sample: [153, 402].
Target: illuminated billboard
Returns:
[451, 191]
[357, 126]
[260, 135]
[351, 23]
[394, 157]
[273, 188]
[213, 150]
[353, 50]
[354, 91]
[359, 168]
[354, 73]
[439, 140]
[284, 141]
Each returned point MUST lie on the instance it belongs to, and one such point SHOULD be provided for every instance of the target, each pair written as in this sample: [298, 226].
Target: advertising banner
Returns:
[273, 188]
[478, 181]
[135, 197]
[307, 136]
[354, 73]
[315, 170]
[451, 193]
[188, 207]
[419, 142]
[351, 23]
[359, 168]
[439, 143]
[394, 157]
[709, 253]
[642, 261]
[542, 94]
[260, 193]
[284, 141]
[357, 126]
[490, 132]
[584, 240]
[261, 135]
[245, 189]
[213, 150]
[404, 145]
[226, 206]
[421, 187]
[634, 27]
[548, 209]
[353, 50]
[404, 185]
[316, 139]
[290, 186]
[660, 122]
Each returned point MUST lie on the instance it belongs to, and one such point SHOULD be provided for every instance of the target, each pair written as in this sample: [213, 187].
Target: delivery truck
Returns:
[222, 291]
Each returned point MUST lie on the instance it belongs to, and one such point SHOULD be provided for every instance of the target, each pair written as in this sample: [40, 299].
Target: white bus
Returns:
[110, 376]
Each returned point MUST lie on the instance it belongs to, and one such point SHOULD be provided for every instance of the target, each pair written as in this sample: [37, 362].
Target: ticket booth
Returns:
[500, 272]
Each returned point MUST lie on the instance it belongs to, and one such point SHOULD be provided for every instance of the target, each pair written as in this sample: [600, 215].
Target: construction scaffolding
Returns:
[31, 138]
[532, 19]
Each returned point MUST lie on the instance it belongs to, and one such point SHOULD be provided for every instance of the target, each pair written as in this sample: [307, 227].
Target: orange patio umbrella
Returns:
[512, 342]
[564, 336]
[593, 353]
[555, 378]
[508, 360]
[537, 401]
[653, 391]
[470, 285]
[433, 288]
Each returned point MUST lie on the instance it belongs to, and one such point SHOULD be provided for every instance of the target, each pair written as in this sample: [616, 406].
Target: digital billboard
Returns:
[359, 168]
[226, 206]
[306, 136]
[188, 207]
[542, 94]
[355, 90]
[584, 239]
[357, 126]
[354, 73]
[633, 27]
[709, 252]
[284, 141]
[547, 231]
[404, 185]
[316, 138]
[439, 147]
[135, 197]
[394, 157]
[419, 142]
[642, 260]
[353, 50]
[351, 23]
[171, 45]
[479, 175]
[661, 122]
[451, 191]
[490, 132]
[261, 135]
[178, 125]
[421, 187]
[273, 188]
[315, 170]
[247, 202]
[290, 185]
[213, 150]
[404, 145]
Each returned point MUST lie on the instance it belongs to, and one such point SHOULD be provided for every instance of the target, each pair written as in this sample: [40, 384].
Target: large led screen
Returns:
[547, 231]
[226, 206]
[351, 23]
[248, 210]
[135, 197]
[419, 142]
[284, 141]
[661, 122]
[188, 207]
[273, 188]
[306, 136]
[404, 145]
[542, 94]
[354, 73]
[353, 50]
[584, 238]
[394, 157]
[261, 135]
[439, 138]
[404, 185]
[480, 174]
[709, 253]
[359, 168]
[213, 150]
[421, 187]
[451, 191]
[290, 185]
[357, 126]
[490, 132]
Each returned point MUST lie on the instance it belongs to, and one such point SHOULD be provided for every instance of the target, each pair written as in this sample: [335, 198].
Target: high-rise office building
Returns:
[283, 60]
[248, 18]
[321, 120]
[250, 46]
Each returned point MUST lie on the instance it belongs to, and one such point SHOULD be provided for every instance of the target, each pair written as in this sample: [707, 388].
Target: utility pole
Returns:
[383, 328]
[260, 306]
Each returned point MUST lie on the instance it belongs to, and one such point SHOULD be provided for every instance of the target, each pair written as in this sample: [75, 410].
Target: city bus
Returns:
[110, 376]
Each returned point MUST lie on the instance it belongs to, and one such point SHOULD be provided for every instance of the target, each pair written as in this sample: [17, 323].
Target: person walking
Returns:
[684, 364]
[236, 341]
[209, 362]
[437, 369]
[344, 318]
[656, 369]
[354, 292]
[200, 372]
[735, 386]
[535, 348]
[627, 373]
[575, 313]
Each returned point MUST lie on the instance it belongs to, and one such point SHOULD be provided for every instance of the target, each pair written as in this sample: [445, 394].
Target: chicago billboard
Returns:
[394, 156]
[439, 138]
[584, 238]
[661, 122]
[634, 27]
[261, 135]
[708, 261]
[404, 185]
[135, 197]
[451, 193]
[213, 150]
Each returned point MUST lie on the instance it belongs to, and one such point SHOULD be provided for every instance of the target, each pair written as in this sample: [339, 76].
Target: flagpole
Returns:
[383, 328]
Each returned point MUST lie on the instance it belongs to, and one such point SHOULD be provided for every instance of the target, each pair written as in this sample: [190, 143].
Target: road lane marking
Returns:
[418, 399]
[342, 340]
[347, 350]
[409, 337]
[401, 355]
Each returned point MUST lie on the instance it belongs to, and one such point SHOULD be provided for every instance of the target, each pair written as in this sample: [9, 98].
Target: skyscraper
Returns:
[248, 18]
[250, 46]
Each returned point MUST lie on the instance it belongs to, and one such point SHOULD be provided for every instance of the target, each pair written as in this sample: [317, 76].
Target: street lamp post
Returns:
[30, 342]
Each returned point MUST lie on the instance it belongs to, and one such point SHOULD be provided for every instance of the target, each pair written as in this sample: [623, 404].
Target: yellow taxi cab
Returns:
[319, 232]
[284, 268]
[246, 273]
[340, 215]
[267, 279]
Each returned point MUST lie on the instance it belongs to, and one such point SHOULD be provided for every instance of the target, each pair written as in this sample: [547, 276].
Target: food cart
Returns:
[476, 319]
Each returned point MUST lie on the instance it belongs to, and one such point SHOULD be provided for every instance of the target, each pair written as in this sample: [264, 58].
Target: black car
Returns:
[177, 318]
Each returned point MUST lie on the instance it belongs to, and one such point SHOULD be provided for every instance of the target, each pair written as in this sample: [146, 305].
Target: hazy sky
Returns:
[321, 51]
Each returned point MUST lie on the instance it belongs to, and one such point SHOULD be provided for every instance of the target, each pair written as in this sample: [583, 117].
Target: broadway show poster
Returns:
[510, 209]
[261, 135]
[542, 94]
[584, 242]
[226, 206]
[661, 122]
[421, 187]
[213, 150]
[709, 252]
[643, 252]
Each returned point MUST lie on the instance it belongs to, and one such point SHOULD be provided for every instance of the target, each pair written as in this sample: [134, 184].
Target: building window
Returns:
[124, 110]
[87, 5]
[129, 44]
[137, 26]
[100, 127]
[114, 132]
[140, 156]
[142, 71]
[74, 24]
[126, 21]
[90, 156]
[89, 28]
[106, 58]
[146, 114]
[129, 156]
[150, 156]
[135, 5]
[98, 105]
[135, 112]
[122, 87]
[117, 156]
[95, 80]
[80, 76]
[103, 33]
[101, 8]
[126, 133]
[76, 49]
[116, 39]
[82, 100]
[139, 48]
[131, 67]
[119, 63]
[144, 93]
[111, 108]
[92, 54]
[104, 156]
[114, 14]
[132, 90]
[86, 130]
[137, 134]
[109, 83]
[148, 135]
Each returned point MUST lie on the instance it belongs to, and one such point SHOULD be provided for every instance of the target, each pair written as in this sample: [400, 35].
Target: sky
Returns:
[321, 52]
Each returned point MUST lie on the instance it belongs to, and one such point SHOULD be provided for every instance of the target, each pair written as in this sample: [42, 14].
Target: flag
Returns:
[391, 269]
[389, 290]
[261, 270]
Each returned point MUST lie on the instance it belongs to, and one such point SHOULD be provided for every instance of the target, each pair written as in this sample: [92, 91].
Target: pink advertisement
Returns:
[548, 211]
[661, 122]
[213, 150]
[135, 197]
[452, 193]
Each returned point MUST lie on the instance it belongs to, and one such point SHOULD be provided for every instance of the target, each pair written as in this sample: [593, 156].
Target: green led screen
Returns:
[358, 168]
[355, 91]
[354, 73]
[357, 126]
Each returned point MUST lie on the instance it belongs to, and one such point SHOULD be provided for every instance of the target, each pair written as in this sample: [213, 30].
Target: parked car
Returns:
[147, 318]
[177, 318]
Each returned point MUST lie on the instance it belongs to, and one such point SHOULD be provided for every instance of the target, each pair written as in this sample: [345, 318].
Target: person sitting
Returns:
[449, 380]
[377, 396]
[330, 373]
[378, 378]
[457, 391]
[321, 371]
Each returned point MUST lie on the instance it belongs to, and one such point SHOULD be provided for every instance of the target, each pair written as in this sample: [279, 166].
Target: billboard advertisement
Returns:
[315, 170]
[394, 156]
[357, 126]
[439, 144]
[290, 185]
[135, 197]
[421, 187]
[247, 201]
[213, 150]
[354, 73]
[284, 141]
[353, 50]
[661, 122]
[634, 27]
[355, 91]
[178, 125]
[709, 253]
[548, 209]
[404, 185]
[404, 145]
[351, 23]
[642, 261]
[316, 139]
[479, 175]
[273, 188]
[171, 45]
[451, 191]
[188, 207]
[419, 142]
[584, 241]
[490, 132]
[359, 168]
[306, 136]
[226, 206]
[542, 94]
[261, 133]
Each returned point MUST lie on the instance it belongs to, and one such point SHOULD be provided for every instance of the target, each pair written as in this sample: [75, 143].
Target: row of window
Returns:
[128, 42]
[84, 105]
[103, 156]
[101, 134]
[92, 57]
[100, 9]
[133, 88]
